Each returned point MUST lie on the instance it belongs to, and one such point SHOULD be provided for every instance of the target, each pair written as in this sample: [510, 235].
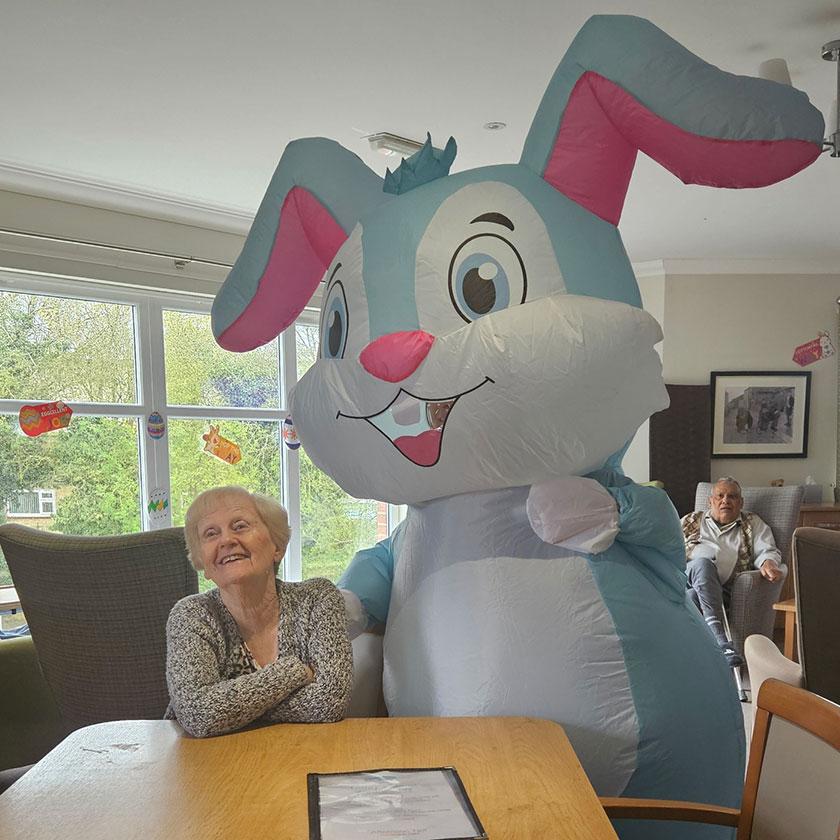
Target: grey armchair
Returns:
[816, 578]
[97, 609]
[751, 606]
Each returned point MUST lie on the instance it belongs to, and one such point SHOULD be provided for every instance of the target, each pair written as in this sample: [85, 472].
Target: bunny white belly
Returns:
[516, 636]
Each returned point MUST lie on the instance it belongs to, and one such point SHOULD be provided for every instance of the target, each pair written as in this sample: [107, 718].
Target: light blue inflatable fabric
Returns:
[332, 174]
[484, 359]
[687, 722]
[371, 573]
[696, 96]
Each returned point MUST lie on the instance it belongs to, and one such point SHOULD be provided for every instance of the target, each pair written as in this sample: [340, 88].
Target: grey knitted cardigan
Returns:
[214, 684]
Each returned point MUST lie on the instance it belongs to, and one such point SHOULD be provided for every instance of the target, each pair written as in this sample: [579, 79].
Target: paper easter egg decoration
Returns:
[815, 350]
[155, 426]
[158, 506]
[34, 420]
[290, 436]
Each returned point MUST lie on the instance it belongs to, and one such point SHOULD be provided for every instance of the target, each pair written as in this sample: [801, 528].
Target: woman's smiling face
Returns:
[235, 542]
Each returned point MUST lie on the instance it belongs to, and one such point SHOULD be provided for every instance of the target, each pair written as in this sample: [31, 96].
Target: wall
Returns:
[652, 287]
[210, 243]
[754, 322]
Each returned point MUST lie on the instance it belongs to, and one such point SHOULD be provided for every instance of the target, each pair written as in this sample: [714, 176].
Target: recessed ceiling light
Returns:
[495, 126]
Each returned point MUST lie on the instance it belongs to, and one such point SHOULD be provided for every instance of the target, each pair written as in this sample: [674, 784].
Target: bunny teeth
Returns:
[415, 425]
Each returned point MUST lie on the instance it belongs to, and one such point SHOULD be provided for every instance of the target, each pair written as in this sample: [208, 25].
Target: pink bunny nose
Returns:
[397, 355]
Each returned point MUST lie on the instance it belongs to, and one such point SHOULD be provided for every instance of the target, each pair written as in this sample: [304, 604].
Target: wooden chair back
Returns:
[793, 775]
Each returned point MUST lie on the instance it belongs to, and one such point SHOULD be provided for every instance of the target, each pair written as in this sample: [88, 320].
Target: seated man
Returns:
[720, 544]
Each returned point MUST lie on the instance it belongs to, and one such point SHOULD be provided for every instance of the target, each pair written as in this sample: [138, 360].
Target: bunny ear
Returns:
[317, 195]
[624, 85]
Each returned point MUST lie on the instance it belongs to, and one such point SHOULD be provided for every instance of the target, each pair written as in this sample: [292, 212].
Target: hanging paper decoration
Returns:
[224, 449]
[156, 426]
[290, 435]
[812, 351]
[158, 506]
[34, 420]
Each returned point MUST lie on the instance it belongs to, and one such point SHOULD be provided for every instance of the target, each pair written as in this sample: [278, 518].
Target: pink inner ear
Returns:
[307, 239]
[603, 126]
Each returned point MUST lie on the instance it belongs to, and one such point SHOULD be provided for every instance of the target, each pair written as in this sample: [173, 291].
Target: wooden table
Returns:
[9, 601]
[789, 609]
[147, 779]
[820, 516]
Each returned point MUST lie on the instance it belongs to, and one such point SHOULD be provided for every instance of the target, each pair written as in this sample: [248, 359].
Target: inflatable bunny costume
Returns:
[484, 359]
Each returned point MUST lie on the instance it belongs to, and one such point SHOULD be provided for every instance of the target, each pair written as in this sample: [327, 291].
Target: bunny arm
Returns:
[370, 575]
[589, 514]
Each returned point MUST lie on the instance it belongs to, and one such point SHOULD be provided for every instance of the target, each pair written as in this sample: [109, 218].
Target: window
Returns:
[334, 526]
[31, 503]
[85, 353]
[115, 356]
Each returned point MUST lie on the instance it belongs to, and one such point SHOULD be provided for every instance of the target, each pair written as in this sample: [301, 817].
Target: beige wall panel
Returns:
[751, 322]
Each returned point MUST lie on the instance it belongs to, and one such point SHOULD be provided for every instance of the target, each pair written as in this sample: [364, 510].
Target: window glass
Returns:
[193, 470]
[92, 468]
[306, 346]
[65, 349]
[334, 526]
[199, 372]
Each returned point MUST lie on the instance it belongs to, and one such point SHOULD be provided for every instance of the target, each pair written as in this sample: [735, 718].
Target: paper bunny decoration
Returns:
[484, 359]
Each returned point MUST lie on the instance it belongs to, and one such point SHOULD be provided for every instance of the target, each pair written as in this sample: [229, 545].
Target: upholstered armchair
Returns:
[97, 609]
[816, 579]
[751, 605]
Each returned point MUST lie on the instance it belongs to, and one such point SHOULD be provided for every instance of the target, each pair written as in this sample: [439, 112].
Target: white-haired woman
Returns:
[255, 648]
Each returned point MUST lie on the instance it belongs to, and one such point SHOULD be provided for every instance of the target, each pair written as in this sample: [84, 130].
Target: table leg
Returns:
[790, 630]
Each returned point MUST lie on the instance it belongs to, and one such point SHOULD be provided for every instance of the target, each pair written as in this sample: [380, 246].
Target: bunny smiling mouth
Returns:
[414, 424]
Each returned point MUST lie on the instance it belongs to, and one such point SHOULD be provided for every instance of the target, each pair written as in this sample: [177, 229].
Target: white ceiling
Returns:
[197, 98]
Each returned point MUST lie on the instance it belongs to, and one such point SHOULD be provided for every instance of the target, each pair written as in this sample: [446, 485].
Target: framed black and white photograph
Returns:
[760, 414]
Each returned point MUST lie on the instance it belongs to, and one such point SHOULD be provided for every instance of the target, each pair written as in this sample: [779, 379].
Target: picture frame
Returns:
[760, 413]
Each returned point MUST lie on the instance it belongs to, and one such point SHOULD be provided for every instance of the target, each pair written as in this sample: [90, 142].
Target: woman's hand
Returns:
[309, 673]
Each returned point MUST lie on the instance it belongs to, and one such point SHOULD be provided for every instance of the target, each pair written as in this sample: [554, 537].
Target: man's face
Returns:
[725, 503]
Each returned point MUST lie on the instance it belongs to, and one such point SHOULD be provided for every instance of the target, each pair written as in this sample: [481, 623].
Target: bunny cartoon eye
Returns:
[486, 274]
[334, 322]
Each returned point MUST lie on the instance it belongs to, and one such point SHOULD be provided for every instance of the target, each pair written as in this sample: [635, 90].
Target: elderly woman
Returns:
[256, 648]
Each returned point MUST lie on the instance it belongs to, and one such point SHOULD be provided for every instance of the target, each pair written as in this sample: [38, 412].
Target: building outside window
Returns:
[31, 503]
